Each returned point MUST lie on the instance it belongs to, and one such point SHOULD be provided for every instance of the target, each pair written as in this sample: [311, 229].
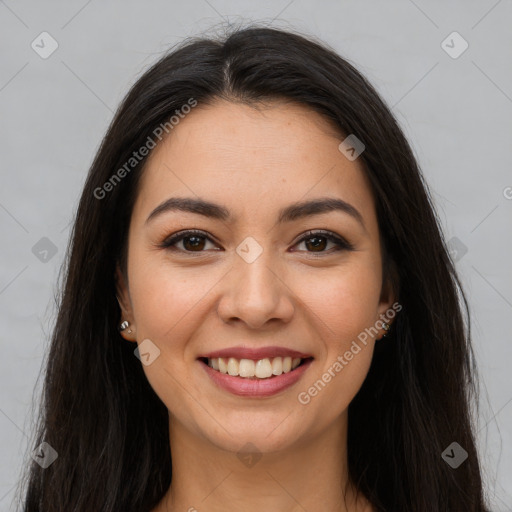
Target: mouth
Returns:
[251, 372]
[255, 369]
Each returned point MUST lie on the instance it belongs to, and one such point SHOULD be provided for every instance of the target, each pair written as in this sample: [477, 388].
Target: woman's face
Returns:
[252, 278]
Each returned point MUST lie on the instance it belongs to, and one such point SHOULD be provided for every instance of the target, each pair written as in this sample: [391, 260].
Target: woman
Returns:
[259, 310]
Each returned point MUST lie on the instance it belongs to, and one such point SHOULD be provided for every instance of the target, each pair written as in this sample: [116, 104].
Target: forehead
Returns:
[252, 158]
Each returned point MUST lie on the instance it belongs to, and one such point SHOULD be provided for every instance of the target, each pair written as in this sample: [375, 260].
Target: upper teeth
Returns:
[261, 369]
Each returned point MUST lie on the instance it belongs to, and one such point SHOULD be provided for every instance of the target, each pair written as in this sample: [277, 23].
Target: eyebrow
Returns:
[290, 213]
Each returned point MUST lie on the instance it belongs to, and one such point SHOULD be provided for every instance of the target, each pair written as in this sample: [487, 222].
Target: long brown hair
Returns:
[99, 412]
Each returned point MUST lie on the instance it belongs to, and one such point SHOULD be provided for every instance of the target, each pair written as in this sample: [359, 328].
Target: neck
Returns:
[311, 475]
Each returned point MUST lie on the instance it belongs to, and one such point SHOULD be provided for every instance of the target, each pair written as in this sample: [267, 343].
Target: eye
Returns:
[193, 241]
[196, 241]
[318, 240]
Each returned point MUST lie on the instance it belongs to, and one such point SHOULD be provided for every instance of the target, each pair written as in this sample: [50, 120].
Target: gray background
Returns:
[457, 113]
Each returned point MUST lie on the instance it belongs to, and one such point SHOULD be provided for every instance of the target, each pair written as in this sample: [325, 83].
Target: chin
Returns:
[266, 434]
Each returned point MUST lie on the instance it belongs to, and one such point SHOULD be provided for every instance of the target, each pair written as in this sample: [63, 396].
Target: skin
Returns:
[254, 162]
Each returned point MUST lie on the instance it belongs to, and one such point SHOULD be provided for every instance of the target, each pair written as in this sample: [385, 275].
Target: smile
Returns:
[254, 376]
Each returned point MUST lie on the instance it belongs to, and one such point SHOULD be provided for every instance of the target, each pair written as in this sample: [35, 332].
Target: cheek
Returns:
[166, 298]
[167, 308]
[348, 307]
[345, 300]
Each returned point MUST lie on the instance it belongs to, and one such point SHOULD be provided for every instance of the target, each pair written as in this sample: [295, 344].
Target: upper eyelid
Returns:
[179, 235]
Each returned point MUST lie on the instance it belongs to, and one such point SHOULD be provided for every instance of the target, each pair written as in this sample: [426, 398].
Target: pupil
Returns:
[196, 243]
[317, 244]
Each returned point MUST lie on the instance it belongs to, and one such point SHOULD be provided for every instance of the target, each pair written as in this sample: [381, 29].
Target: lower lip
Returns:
[256, 387]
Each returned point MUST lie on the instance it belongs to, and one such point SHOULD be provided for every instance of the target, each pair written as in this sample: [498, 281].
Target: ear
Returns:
[387, 309]
[386, 297]
[123, 298]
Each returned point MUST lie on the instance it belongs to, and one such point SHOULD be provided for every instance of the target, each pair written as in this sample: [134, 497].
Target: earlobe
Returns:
[126, 325]
[127, 331]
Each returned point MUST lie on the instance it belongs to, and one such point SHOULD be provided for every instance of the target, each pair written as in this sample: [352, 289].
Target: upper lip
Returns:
[255, 353]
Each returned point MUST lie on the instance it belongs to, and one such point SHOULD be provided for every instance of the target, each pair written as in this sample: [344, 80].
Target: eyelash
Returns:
[341, 243]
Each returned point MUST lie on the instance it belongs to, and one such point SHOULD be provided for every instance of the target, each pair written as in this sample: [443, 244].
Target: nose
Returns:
[256, 293]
